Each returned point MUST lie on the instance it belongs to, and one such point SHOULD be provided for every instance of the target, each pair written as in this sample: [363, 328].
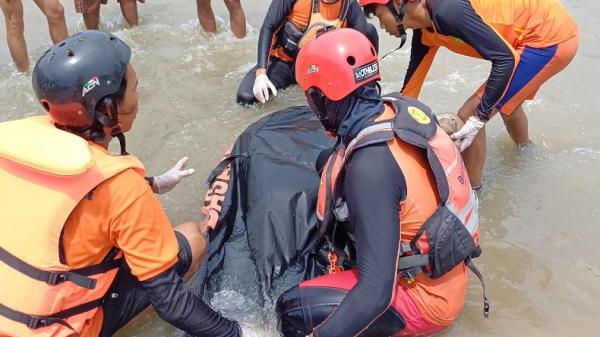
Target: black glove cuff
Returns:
[150, 181]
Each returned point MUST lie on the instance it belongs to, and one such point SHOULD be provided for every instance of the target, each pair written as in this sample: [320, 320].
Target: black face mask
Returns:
[330, 113]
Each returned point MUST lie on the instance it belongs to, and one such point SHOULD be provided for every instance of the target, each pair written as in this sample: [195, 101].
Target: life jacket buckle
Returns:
[409, 275]
[36, 322]
[56, 278]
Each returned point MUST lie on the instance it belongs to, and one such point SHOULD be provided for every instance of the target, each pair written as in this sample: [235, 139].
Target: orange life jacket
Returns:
[44, 173]
[450, 236]
[296, 31]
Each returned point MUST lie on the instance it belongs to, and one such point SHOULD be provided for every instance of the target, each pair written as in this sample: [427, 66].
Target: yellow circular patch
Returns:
[418, 115]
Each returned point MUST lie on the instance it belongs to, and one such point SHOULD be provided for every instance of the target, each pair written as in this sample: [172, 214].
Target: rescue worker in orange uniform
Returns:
[394, 184]
[84, 244]
[527, 41]
[288, 25]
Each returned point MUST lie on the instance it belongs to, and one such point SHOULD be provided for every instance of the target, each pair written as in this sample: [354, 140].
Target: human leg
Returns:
[474, 155]
[15, 27]
[90, 9]
[126, 301]
[130, 12]
[236, 18]
[55, 15]
[536, 66]
[206, 16]
[517, 125]
[302, 308]
[279, 72]
[245, 95]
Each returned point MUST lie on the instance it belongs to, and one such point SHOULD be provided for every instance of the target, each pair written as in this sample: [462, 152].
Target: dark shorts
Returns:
[125, 298]
[88, 6]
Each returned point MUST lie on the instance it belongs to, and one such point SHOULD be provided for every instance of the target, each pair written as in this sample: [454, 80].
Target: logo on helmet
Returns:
[312, 70]
[89, 85]
[365, 72]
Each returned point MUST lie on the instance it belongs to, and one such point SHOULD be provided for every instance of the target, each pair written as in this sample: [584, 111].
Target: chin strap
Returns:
[115, 131]
[399, 21]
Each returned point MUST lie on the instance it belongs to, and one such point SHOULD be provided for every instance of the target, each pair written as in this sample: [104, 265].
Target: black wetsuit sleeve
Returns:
[373, 188]
[458, 18]
[356, 19]
[276, 15]
[175, 303]
[417, 53]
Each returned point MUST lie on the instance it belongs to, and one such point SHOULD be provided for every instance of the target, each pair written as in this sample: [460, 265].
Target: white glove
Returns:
[262, 84]
[168, 180]
[467, 133]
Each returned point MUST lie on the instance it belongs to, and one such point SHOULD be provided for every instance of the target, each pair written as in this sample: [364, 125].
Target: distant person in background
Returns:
[91, 11]
[13, 17]
[236, 17]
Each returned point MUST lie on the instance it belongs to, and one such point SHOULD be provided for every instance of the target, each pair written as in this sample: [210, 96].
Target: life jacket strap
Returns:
[77, 276]
[486, 302]
[36, 322]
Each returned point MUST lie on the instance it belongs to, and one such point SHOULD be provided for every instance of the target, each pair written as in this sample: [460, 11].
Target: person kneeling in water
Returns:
[85, 246]
[395, 183]
[288, 25]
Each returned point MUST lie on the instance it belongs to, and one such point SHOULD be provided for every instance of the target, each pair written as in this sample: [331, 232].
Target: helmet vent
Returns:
[46, 105]
[351, 60]
[70, 53]
[62, 44]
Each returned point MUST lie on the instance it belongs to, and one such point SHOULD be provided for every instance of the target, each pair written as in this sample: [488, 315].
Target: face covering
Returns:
[330, 113]
[349, 115]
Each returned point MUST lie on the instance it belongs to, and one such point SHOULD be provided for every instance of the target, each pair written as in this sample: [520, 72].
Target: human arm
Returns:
[421, 58]
[356, 19]
[276, 15]
[167, 181]
[143, 233]
[457, 18]
[177, 304]
[373, 189]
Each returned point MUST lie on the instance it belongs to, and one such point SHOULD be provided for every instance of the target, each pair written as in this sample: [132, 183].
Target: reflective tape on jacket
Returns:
[410, 123]
[44, 173]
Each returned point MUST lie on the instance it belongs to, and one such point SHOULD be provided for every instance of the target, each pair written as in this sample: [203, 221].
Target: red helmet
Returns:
[337, 63]
[364, 3]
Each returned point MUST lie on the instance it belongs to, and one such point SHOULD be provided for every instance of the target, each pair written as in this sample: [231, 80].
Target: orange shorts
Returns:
[536, 66]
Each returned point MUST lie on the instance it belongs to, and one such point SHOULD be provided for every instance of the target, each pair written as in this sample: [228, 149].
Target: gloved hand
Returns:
[262, 84]
[168, 180]
[467, 133]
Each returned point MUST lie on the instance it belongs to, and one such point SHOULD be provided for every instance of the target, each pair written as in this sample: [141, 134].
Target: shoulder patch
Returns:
[418, 115]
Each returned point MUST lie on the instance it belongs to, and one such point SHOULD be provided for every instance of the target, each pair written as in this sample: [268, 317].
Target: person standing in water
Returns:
[90, 9]
[527, 42]
[15, 27]
[84, 243]
[288, 25]
[395, 183]
[237, 17]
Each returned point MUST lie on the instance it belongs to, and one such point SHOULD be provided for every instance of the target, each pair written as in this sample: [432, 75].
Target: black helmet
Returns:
[71, 77]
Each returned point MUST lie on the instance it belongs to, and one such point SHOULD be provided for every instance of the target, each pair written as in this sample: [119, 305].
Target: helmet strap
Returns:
[117, 132]
[112, 122]
[399, 15]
